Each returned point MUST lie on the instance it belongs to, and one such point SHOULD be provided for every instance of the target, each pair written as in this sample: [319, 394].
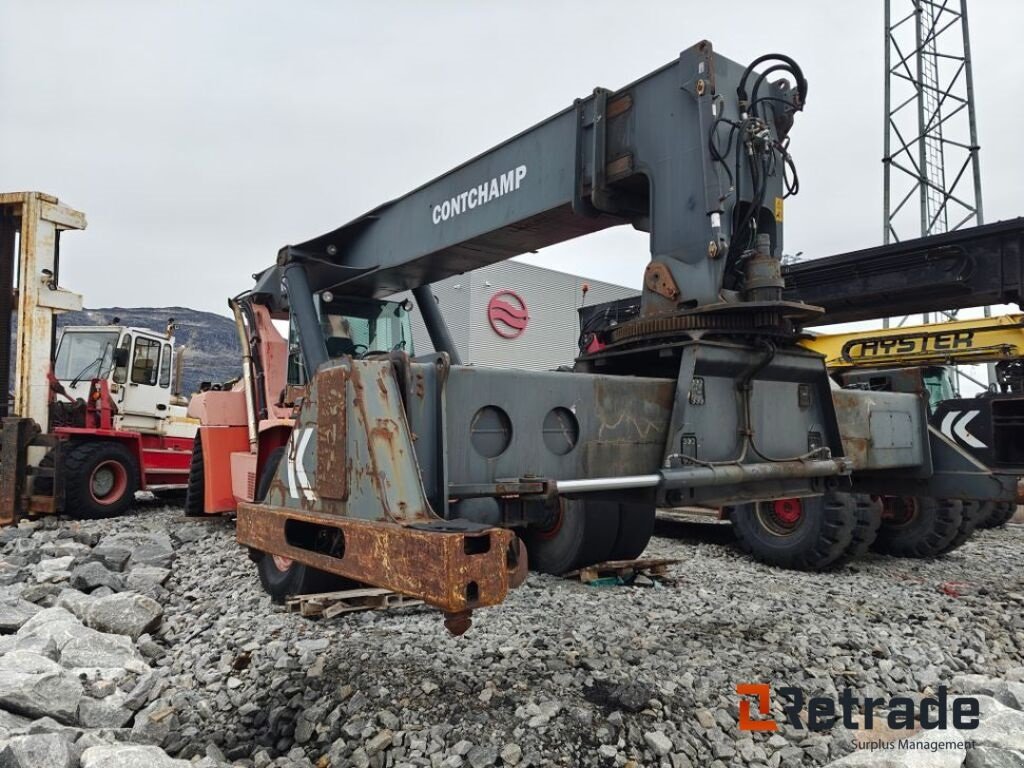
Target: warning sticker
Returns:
[778, 209]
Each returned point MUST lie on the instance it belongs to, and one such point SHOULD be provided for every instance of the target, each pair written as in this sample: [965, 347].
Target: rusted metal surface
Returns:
[18, 437]
[14, 440]
[882, 430]
[8, 236]
[40, 296]
[332, 434]
[729, 474]
[622, 424]
[658, 278]
[455, 572]
[618, 105]
[503, 488]
[383, 472]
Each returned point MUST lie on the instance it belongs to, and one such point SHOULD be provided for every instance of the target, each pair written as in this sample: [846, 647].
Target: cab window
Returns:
[121, 371]
[354, 326]
[146, 363]
[165, 367]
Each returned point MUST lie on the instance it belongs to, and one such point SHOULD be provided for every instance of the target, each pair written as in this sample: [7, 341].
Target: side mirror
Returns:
[121, 357]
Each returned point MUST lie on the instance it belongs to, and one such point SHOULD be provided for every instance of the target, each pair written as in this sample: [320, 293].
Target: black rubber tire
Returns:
[297, 579]
[815, 544]
[79, 460]
[269, 470]
[999, 514]
[195, 493]
[933, 526]
[172, 495]
[973, 513]
[636, 526]
[867, 520]
[44, 485]
[584, 534]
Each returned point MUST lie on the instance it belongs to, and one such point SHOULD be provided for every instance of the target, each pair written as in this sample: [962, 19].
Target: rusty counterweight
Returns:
[452, 570]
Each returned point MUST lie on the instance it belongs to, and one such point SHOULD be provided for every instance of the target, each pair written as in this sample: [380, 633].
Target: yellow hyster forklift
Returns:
[925, 359]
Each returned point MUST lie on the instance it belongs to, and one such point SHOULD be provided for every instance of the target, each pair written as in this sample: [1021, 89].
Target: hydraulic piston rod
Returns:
[704, 476]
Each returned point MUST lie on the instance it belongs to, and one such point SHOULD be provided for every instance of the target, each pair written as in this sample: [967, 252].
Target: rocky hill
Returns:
[212, 351]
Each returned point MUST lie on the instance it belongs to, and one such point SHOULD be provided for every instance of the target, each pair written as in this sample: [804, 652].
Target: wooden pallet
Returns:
[329, 604]
[624, 570]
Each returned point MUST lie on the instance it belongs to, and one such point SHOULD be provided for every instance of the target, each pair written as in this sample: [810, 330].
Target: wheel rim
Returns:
[551, 531]
[283, 564]
[899, 511]
[781, 517]
[108, 482]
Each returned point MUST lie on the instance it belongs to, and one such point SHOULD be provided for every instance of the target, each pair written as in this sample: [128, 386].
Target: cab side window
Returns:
[165, 367]
[146, 363]
[121, 369]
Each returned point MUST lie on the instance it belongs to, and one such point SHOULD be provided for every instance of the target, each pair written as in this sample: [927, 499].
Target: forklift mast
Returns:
[30, 228]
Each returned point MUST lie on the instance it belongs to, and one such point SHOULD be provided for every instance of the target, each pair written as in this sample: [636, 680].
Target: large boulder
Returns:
[990, 757]
[77, 645]
[50, 619]
[129, 756]
[1003, 730]
[74, 602]
[44, 750]
[112, 556]
[125, 613]
[92, 649]
[146, 548]
[10, 722]
[155, 723]
[91, 575]
[34, 685]
[108, 712]
[14, 612]
[41, 644]
[10, 574]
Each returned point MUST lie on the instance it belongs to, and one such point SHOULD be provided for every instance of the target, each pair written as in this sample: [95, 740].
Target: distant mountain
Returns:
[212, 351]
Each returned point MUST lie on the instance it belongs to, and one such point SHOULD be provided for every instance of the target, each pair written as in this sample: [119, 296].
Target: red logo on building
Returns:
[506, 312]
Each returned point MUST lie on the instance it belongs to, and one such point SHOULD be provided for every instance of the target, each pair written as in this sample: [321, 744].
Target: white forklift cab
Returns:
[140, 367]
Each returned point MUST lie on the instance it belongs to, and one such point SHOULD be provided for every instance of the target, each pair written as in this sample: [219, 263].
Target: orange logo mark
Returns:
[763, 693]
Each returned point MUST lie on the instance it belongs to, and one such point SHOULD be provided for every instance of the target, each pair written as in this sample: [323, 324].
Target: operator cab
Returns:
[136, 363]
[940, 383]
[355, 327]
[937, 381]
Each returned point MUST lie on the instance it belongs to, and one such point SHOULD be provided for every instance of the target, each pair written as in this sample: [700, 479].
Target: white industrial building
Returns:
[515, 315]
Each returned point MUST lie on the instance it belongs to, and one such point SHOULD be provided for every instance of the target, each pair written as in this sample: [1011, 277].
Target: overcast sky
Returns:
[201, 136]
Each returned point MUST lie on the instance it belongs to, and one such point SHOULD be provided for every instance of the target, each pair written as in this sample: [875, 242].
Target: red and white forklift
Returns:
[92, 419]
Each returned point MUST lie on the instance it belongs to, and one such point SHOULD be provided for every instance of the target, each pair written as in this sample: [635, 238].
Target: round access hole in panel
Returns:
[561, 431]
[490, 431]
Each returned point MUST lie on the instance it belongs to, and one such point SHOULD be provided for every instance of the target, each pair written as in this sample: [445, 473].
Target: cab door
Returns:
[145, 391]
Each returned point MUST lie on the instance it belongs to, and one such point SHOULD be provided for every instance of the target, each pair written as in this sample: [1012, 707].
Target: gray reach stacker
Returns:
[426, 476]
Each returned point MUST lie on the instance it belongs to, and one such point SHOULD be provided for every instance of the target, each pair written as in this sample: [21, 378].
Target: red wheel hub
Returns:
[556, 525]
[788, 511]
[108, 482]
[899, 510]
[283, 564]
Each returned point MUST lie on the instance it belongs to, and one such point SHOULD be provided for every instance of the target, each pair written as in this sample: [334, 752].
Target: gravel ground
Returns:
[562, 674]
